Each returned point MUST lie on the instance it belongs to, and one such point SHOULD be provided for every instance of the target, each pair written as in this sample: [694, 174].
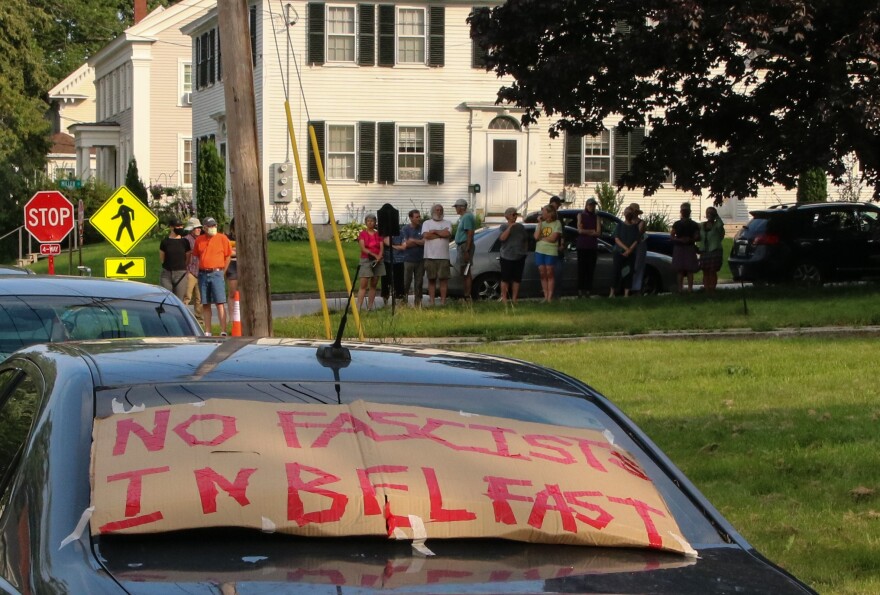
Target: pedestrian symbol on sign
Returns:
[126, 215]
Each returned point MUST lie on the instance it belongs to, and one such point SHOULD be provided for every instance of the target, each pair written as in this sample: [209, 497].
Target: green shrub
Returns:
[288, 233]
[349, 232]
[812, 186]
[657, 222]
[610, 200]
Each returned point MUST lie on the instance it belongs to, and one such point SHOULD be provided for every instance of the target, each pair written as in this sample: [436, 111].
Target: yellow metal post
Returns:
[342, 263]
[305, 207]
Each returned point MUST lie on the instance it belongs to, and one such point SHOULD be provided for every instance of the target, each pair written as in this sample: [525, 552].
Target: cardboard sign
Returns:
[370, 469]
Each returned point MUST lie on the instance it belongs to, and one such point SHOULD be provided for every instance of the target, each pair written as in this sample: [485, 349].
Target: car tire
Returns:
[652, 283]
[807, 274]
[486, 287]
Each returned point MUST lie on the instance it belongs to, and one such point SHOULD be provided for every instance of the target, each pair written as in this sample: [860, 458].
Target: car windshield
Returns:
[28, 320]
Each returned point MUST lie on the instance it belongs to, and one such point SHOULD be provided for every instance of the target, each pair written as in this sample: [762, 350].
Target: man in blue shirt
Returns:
[413, 247]
[464, 240]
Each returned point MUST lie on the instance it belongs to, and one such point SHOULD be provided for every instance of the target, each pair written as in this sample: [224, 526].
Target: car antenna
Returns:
[335, 352]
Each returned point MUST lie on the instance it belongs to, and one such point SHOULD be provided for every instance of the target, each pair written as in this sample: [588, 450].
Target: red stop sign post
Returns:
[48, 216]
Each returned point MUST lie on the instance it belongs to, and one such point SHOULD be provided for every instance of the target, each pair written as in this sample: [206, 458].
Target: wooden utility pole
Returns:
[243, 153]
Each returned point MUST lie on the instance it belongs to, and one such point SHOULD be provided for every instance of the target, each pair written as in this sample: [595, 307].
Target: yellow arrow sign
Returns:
[123, 220]
[125, 268]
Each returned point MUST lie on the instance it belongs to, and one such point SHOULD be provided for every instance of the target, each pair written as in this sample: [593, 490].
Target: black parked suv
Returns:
[658, 241]
[808, 244]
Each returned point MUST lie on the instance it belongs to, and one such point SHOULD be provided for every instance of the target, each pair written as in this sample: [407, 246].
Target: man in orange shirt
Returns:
[214, 253]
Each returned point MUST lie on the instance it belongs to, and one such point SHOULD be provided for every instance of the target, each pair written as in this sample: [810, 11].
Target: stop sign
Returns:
[48, 216]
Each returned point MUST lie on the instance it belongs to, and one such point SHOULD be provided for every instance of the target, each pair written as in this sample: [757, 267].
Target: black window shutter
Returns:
[386, 152]
[626, 147]
[386, 35]
[212, 36]
[436, 143]
[313, 164]
[197, 46]
[574, 159]
[367, 34]
[436, 31]
[316, 33]
[253, 29]
[203, 60]
[366, 171]
[478, 54]
[219, 59]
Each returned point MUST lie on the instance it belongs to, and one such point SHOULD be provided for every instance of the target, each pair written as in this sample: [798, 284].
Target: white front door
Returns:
[504, 179]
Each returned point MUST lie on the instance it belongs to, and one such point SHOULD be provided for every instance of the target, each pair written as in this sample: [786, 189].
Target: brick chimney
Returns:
[140, 10]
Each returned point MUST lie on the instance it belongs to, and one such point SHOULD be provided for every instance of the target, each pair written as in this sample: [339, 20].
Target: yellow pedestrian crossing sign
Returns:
[123, 220]
[123, 267]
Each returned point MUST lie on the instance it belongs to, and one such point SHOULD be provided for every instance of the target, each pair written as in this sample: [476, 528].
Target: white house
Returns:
[143, 87]
[404, 114]
[72, 102]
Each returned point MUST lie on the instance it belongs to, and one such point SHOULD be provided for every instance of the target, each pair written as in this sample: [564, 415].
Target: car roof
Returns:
[806, 207]
[80, 286]
[182, 360]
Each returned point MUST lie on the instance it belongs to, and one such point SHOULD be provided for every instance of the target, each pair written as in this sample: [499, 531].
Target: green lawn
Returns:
[782, 435]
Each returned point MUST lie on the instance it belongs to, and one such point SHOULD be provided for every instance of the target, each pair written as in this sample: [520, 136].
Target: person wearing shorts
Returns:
[372, 265]
[214, 253]
[436, 232]
[514, 249]
[547, 233]
[464, 241]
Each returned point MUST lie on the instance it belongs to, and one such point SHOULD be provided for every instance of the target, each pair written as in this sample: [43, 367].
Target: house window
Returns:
[597, 157]
[341, 152]
[340, 34]
[187, 161]
[411, 36]
[186, 78]
[411, 153]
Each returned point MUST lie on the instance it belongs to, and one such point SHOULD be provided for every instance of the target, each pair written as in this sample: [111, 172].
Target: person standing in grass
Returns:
[514, 249]
[174, 252]
[436, 233]
[711, 236]
[214, 252]
[556, 203]
[589, 230]
[547, 233]
[464, 240]
[641, 251]
[626, 240]
[413, 247]
[371, 266]
[685, 235]
[193, 229]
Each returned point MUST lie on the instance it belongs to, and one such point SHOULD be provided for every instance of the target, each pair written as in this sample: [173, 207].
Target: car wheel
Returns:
[651, 282]
[807, 274]
[487, 287]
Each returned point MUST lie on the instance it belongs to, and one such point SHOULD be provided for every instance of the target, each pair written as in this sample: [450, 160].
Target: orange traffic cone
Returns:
[236, 315]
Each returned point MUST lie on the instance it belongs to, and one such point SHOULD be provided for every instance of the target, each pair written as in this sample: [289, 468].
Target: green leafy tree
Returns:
[211, 184]
[134, 183]
[76, 29]
[24, 139]
[737, 94]
[812, 186]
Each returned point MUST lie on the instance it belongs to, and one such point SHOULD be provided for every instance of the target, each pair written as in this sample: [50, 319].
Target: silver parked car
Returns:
[486, 270]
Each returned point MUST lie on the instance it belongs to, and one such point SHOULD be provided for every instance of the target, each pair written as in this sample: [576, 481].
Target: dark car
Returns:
[658, 241]
[47, 308]
[808, 244]
[268, 466]
[486, 268]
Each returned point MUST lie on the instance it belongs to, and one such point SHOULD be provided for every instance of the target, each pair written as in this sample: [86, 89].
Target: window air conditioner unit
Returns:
[187, 99]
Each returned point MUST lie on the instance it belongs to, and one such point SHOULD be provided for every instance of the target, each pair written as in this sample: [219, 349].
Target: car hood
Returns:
[278, 565]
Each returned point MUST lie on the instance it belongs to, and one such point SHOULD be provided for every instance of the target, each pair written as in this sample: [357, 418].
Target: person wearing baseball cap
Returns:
[214, 252]
[464, 240]
[173, 254]
[192, 230]
[589, 230]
